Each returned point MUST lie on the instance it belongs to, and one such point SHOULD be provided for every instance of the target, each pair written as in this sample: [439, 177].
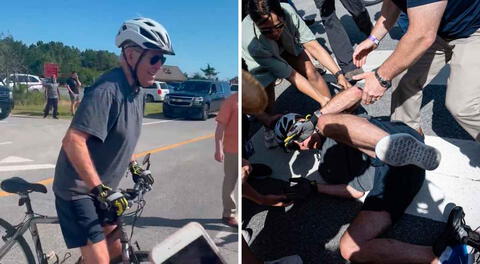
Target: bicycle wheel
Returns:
[371, 2]
[20, 252]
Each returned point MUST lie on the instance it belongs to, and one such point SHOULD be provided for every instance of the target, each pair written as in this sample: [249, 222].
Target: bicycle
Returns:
[12, 235]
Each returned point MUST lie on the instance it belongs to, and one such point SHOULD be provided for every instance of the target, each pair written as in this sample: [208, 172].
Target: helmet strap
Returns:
[133, 70]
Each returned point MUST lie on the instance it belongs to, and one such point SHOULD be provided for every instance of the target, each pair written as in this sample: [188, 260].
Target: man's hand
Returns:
[343, 82]
[301, 190]
[219, 155]
[361, 52]
[110, 200]
[372, 91]
[275, 200]
[139, 173]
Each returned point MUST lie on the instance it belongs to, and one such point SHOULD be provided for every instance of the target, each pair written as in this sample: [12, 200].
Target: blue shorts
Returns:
[79, 221]
[394, 187]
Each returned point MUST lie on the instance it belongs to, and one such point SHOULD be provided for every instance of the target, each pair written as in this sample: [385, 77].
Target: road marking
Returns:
[50, 180]
[156, 122]
[13, 159]
[6, 143]
[27, 167]
[174, 145]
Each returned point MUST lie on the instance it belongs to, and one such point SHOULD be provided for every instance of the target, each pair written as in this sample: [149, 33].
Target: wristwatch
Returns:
[384, 83]
[338, 73]
[316, 115]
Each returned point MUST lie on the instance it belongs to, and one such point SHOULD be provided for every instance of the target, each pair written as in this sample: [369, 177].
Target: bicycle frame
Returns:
[30, 223]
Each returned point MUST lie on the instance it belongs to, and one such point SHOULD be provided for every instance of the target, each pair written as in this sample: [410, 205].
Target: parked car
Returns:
[196, 98]
[175, 85]
[234, 88]
[32, 81]
[156, 92]
[6, 102]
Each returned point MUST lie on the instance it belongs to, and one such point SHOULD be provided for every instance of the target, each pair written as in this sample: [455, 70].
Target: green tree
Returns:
[209, 72]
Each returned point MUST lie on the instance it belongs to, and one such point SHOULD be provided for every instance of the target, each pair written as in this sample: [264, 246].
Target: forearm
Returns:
[321, 55]
[219, 132]
[305, 87]
[77, 152]
[410, 48]
[387, 19]
[344, 100]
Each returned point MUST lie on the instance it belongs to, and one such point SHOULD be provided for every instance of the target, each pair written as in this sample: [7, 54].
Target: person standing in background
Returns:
[52, 95]
[73, 86]
[226, 151]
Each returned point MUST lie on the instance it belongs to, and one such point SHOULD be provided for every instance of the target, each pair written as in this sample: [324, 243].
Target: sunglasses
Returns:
[155, 59]
[267, 31]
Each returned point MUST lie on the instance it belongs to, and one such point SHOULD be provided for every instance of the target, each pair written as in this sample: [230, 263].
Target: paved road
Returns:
[187, 179]
[312, 229]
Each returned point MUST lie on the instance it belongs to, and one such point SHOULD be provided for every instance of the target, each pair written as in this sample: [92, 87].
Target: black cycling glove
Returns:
[110, 200]
[139, 173]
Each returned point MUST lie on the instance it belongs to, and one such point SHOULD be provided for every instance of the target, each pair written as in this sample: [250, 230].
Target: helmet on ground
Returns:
[284, 125]
[146, 33]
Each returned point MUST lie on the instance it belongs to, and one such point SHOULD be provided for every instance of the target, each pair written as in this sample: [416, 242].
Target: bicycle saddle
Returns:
[19, 185]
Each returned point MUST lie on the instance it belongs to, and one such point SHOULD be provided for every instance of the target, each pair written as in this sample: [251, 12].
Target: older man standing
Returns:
[98, 147]
[439, 32]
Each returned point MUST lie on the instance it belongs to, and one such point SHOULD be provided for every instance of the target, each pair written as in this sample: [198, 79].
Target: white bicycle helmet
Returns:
[284, 125]
[146, 33]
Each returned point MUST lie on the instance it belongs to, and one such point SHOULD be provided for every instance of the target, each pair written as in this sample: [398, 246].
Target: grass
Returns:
[151, 109]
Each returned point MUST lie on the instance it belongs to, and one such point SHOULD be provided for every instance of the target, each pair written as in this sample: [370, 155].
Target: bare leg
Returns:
[95, 253]
[359, 242]
[339, 190]
[71, 107]
[352, 130]
[113, 241]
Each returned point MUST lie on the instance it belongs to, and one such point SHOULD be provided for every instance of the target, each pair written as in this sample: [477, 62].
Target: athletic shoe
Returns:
[269, 137]
[455, 232]
[309, 22]
[403, 149]
[230, 221]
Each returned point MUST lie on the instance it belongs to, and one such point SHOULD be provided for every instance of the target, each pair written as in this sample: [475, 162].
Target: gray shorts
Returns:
[74, 97]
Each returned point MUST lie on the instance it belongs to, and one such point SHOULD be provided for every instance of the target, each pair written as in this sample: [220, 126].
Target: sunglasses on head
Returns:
[267, 31]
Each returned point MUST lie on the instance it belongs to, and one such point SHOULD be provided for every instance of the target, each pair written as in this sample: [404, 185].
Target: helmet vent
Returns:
[161, 37]
[124, 27]
[149, 45]
[147, 34]
[150, 24]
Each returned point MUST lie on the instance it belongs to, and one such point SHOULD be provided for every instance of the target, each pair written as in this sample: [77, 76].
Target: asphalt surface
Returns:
[312, 229]
[187, 179]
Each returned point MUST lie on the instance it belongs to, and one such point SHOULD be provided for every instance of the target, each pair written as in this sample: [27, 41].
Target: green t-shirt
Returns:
[263, 55]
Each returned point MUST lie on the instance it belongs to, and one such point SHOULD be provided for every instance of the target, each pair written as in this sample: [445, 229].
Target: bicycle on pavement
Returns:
[12, 235]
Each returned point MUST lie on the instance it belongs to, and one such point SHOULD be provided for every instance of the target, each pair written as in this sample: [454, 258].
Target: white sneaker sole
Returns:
[404, 149]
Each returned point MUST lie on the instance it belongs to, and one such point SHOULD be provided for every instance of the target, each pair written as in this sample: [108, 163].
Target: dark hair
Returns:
[73, 72]
[259, 8]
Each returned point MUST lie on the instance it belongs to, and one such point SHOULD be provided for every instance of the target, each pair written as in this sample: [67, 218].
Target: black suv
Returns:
[196, 98]
[6, 102]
